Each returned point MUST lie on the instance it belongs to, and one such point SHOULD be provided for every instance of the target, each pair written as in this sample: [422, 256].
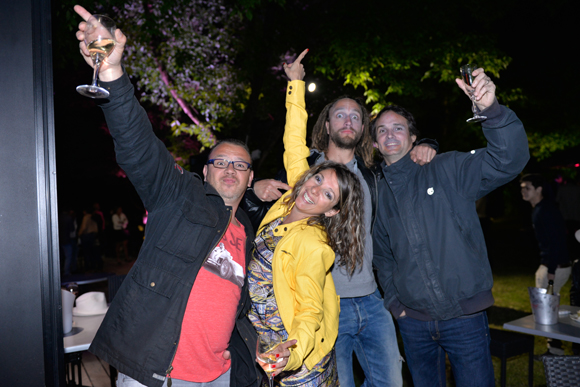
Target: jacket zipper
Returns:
[376, 202]
[170, 368]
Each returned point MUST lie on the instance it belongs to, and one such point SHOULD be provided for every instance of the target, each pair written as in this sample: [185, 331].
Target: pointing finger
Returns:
[281, 185]
[301, 56]
[82, 12]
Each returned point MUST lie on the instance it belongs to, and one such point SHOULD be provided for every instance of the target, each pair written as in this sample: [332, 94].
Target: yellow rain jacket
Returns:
[303, 285]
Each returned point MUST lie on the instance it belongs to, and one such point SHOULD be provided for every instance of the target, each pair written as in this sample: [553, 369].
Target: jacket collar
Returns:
[404, 166]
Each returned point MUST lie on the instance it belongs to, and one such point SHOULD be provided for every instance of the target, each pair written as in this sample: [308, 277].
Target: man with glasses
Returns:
[180, 316]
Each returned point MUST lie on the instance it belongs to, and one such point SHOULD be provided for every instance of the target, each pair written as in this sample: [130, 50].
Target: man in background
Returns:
[550, 230]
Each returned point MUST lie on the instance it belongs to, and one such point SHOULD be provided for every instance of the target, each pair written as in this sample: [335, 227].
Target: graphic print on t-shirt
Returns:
[220, 263]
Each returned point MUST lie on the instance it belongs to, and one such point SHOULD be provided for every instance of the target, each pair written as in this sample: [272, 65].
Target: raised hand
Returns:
[295, 71]
[482, 88]
[111, 67]
[422, 154]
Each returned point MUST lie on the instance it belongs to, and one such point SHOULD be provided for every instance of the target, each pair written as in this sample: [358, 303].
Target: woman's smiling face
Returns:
[318, 195]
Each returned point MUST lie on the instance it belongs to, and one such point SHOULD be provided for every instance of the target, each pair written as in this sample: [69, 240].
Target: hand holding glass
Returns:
[265, 352]
[100, 41]
[467, 76]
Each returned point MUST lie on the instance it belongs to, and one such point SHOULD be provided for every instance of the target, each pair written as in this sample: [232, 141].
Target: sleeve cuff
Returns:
[396, 308]
[295, 91]
[123, 80]
[494, 114]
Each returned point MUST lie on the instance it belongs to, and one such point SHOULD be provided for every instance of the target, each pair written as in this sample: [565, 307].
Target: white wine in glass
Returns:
[265, 351]
[100, 49]
[100, 41]
[467, 76]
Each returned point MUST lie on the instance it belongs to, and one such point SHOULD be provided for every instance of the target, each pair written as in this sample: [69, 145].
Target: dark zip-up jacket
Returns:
[428, 245]
[187, 219]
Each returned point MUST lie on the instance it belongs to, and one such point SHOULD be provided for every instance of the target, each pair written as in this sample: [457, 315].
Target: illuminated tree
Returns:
[181, 53]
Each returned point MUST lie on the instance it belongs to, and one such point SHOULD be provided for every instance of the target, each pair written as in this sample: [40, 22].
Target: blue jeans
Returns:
[367, 328]
[466, 341]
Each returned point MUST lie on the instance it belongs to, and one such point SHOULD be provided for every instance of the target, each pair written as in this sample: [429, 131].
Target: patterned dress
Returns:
[265, 317]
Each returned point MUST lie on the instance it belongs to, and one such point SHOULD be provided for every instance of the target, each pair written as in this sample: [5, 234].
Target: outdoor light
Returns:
[312, 87]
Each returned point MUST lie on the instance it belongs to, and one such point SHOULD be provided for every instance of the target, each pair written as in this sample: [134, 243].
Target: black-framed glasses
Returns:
[223, 164]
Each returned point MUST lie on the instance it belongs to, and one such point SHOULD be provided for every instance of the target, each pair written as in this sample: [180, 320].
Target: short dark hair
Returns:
[535, 179]
[232, 141]
[400, 111]
[538, 180]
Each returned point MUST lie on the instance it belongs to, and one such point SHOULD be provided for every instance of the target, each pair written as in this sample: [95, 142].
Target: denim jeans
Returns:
[367, 328]
[466, 341]
[223, 381]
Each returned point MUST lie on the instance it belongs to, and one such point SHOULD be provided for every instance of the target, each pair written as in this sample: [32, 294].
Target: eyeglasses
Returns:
[223, 164]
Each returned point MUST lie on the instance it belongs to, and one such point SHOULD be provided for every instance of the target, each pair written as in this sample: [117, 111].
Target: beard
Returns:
[345, 142]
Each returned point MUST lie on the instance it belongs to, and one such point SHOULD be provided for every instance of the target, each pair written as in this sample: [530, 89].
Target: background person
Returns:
[88, 233]
[121, 234]
[550, 231]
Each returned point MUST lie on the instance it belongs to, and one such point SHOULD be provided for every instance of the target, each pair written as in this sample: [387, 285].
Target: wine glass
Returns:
[267, 343]
[467, 76]
[100, 41]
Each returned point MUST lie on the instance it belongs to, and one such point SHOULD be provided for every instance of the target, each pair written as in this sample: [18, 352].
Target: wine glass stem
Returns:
[271, 380]
[473, 107]
[96, 73]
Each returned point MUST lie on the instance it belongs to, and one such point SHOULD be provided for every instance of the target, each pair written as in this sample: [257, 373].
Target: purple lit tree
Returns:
[181, 53]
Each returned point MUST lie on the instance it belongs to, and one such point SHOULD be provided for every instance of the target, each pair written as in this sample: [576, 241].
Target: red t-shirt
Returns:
[211, 311]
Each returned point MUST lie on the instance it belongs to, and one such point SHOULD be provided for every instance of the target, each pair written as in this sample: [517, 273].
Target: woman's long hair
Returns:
[345, 231]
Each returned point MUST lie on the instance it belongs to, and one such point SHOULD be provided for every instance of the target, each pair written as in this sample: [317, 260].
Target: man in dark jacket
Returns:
[180, 315]
[428, 244]
[550, 230]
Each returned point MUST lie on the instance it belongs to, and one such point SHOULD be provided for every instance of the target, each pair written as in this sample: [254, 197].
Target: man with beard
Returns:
[341, 134]
[428, 244]
[175, 320]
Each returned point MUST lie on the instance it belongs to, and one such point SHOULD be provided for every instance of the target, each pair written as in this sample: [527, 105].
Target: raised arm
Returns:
[295, 149]
[143, 157]
[507, 153]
